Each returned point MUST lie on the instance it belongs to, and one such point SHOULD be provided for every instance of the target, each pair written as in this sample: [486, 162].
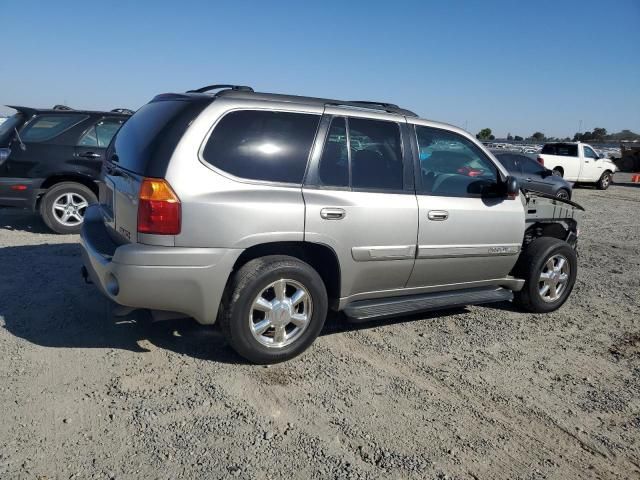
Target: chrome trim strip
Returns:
[456, 251]
[385, 252]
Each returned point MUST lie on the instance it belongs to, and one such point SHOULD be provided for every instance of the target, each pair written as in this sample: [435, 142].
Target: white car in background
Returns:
[578, 162]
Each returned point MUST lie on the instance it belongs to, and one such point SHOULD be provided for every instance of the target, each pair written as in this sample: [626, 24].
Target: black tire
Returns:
[564, 194]
[557, 172]
[245, 286]
[605, 181]
[530, 266]
[48, 214]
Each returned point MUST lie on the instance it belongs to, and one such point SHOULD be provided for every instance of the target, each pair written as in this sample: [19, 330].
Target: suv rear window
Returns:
[152, 133]
[46, 127]
[560, 149]
[262, 145]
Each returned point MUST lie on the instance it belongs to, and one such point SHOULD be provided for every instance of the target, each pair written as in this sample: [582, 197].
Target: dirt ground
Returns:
[478, 393]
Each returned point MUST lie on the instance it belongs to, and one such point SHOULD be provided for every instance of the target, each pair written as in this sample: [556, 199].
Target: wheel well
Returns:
[321, 257]
[54, 179]
[559, 169]
[565, 230]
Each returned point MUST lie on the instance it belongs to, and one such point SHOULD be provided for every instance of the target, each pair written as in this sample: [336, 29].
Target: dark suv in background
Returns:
[51, 158]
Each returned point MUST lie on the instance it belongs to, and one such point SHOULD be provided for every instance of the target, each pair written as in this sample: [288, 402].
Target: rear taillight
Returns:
[158, 208]
[540, 160]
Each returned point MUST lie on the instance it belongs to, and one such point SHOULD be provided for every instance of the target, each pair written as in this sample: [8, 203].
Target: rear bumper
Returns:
[25, 197]
[189, 281]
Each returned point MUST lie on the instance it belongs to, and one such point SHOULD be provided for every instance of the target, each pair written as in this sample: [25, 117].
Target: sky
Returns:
[513, 66]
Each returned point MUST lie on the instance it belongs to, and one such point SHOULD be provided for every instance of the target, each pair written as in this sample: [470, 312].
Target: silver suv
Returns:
[263, 211]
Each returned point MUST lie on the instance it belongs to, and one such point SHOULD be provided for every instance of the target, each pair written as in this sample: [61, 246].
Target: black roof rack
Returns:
[208, 88]
[387, 107]
[124, 111]
[62, 107]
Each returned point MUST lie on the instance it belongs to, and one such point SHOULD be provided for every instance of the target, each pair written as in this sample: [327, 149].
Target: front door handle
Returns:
[90, 155]
[333, 213]
[438, 215]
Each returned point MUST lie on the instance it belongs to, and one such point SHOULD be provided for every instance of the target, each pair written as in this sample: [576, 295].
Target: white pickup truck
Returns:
[578, 162]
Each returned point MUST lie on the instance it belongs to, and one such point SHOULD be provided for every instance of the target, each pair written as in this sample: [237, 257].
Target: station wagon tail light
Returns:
[158, 208]
[540, 160]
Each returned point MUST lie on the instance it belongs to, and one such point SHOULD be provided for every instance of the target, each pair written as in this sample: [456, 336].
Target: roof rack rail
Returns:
[125, 111]
[387, 107]
[208, 88]
[62, 107]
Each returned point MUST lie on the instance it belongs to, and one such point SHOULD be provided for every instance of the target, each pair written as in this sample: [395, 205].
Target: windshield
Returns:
[6, 128]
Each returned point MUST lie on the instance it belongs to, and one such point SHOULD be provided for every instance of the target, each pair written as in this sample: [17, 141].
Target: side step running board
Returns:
[363, 310]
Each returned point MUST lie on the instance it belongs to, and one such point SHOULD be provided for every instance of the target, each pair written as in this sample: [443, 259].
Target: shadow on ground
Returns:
[44, 300]
[19, 220]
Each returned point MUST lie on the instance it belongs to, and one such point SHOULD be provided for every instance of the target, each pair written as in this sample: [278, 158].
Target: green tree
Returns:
[538, 136]
[484, 134]
[599, 134]
[518, 138]
[509, 136]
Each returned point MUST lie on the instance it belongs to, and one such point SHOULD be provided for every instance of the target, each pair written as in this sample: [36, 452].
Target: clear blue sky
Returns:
[513, 66]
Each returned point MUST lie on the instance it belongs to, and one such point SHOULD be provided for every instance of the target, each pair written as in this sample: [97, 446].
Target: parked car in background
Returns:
[534, 176]
[578, 162]
[50, 160]
[262, 211]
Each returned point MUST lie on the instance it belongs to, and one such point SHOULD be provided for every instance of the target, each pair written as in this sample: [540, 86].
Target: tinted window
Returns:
[561, 149]
[334, 163]
[46, 127]
[589, 153]
[376, 154]
[451, 165]
[532, 167]
[510, 162]
[147, 140]
[106, 130]
[263, 145]
[89, 139]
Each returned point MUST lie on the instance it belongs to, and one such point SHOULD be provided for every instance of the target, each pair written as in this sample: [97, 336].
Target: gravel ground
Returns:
[480, 393]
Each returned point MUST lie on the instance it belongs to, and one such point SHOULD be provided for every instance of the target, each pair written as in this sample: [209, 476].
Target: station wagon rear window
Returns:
[263, 145]
[46, 127]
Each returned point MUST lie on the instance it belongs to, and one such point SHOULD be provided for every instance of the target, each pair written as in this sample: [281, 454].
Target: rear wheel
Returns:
[63, 206]
[558, 172]
[563, 194]
[605, 181]
[274, 308]
[549, 267]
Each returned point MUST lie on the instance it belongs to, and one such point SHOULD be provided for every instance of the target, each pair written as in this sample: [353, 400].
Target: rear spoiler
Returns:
[27, 111]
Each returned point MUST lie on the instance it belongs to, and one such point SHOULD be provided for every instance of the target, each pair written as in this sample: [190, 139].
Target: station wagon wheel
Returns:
[280, 313]
[63, 206]
[69, 209]
[562, 194]
[273, 308]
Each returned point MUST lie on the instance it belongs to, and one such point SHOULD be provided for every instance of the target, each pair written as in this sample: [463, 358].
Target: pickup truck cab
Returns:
[578, 162]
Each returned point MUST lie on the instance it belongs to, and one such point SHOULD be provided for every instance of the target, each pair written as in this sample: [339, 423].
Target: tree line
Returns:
[597, 135]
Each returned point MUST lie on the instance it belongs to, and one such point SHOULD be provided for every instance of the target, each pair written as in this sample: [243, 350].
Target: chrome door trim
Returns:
[385, 252]
[449, 251]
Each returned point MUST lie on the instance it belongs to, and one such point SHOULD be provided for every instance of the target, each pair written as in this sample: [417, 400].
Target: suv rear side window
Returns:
[262, 145]
[563, 150]
[376, 154]
[453, 166]
[101, 133]
[46, 127]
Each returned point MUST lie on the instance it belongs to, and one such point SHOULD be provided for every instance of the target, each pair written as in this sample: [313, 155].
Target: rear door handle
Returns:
[438, 215]
[333, 213]
[90, 155]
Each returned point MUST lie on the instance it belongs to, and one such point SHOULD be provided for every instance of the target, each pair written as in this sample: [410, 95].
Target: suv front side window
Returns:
[46, 127]
[453, 166]
[262, 145]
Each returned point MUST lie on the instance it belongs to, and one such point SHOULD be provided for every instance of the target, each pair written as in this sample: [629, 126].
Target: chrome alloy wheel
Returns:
[280, 313]
[563, 195]
[554, 278]
[69, 208]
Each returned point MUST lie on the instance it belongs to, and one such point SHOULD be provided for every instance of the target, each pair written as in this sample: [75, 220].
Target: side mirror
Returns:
[512, 187]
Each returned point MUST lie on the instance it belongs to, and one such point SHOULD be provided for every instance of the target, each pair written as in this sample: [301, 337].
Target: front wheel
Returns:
[563, 194]
[63, 205]
[274, 308]
[549, 267]
[605, 181]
